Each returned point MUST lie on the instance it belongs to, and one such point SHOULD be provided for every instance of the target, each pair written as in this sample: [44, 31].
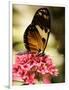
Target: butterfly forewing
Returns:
[42, 18]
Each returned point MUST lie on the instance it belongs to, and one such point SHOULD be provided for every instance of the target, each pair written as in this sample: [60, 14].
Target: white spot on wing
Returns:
[40, 13]
[42, 32]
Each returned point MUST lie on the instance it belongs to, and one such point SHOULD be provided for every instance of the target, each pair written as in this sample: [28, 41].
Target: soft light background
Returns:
[22, 16]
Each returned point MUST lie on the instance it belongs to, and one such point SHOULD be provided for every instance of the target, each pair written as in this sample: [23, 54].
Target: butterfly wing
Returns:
[32, 39]
[37, 34]
[42, 18]
[44, 35]
[42, 22]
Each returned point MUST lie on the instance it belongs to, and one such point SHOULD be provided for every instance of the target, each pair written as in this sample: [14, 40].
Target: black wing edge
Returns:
[26, 40]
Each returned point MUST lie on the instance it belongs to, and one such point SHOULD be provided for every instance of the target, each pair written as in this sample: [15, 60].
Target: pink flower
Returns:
[15, 68]
[42, 69]
[27, 66]
[16, 75]
[48, 61]
[30, 79]
[46, 81]
[46, 78]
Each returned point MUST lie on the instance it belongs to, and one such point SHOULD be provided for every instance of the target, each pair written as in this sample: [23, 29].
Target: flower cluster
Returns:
[29, 65]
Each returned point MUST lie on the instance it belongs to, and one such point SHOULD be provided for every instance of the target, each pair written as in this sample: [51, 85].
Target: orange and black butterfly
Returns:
[37, 33]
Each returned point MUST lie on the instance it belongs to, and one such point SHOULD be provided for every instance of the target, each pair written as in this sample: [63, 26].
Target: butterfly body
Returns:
[37, 33]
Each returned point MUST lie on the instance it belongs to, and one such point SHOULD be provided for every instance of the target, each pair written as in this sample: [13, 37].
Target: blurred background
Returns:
[22, 16]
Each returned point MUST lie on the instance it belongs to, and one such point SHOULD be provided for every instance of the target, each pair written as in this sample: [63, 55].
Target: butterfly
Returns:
[37, 33]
